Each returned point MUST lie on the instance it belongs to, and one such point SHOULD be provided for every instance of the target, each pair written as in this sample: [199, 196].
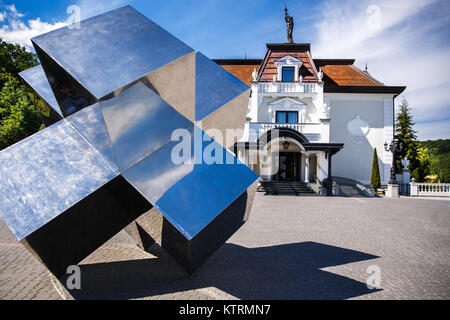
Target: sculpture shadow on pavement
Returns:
[288, 271]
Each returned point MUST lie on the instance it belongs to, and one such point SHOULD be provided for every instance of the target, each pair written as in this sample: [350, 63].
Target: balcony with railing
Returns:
[310, 130]
[287, 87]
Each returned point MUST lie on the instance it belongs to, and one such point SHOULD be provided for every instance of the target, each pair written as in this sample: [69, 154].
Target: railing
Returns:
[310, 130]
[286, 87]
[430, 189]
[300, 127]
[295, 126]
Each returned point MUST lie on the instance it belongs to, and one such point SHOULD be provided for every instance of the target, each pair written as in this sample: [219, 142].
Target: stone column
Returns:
[306, 167]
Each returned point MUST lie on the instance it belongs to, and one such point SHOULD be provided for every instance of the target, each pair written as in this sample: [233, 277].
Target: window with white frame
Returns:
[288, 69]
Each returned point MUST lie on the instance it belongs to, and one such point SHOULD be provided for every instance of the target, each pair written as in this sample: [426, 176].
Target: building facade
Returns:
[309, 119]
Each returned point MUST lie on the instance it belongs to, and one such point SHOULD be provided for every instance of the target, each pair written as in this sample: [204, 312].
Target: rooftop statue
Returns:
[289, 25]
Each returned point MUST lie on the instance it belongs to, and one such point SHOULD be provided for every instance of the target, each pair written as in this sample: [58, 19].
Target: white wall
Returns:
[354, 161]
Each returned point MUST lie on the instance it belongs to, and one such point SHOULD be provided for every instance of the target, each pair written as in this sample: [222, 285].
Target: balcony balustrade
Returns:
[287, 87]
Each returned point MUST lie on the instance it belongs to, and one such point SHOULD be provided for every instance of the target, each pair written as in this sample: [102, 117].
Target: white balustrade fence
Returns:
[430, 189]
[312, 131]
[312, 128]
[285, 87]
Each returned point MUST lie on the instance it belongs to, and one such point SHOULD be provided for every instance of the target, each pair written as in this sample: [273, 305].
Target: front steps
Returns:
[285, 187]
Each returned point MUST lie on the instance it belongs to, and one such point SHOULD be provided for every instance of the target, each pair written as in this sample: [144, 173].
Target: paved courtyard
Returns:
[292, 248]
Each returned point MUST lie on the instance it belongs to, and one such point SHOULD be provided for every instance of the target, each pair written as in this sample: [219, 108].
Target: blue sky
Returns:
[405, 42]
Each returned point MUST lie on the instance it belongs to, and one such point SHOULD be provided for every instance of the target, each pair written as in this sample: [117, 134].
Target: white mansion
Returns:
[330, 116]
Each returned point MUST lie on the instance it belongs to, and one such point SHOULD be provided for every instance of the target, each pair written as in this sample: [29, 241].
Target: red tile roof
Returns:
[339, 74]
[240, 68]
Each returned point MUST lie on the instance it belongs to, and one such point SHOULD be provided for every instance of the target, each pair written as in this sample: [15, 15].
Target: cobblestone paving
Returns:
[292, 248]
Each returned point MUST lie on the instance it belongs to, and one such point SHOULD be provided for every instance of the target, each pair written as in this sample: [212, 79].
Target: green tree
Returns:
[439, 154]
[406, 135]
[15, 58]
[419, 160]
[18, 115]
[422, 157]
[375, 180]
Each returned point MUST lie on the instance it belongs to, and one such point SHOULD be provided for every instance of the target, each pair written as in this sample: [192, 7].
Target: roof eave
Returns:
[396, 90]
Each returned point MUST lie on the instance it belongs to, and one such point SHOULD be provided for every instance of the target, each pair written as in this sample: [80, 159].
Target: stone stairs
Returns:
[285, 187]
[352, 188]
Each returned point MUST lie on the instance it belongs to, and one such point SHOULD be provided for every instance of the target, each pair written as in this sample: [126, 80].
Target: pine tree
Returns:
[375, 180]
[407, 136]
[419, 161]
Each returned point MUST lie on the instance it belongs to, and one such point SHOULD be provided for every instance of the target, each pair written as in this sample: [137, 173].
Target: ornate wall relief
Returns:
[358, 129]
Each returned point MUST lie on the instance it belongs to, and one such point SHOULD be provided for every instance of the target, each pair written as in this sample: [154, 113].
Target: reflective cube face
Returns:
[108, 51]
[136, 103]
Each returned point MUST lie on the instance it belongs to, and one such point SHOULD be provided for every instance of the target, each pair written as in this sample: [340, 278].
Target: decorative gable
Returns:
[286, 104]
[288, 61]
[294, 55]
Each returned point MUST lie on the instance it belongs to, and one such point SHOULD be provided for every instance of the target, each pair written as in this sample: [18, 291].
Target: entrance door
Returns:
[288, 169]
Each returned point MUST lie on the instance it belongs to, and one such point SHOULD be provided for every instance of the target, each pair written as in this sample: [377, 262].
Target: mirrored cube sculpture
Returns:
[130, 151]
[61, 198]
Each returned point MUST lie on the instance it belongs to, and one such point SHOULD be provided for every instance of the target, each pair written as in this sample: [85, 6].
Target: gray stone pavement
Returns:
[292, 248]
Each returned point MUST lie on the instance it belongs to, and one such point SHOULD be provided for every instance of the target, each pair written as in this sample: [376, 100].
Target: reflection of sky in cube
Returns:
[205, 191]
[191, 195]
[138, 123]
[47, 173]
[111, 50]
[36, 78]
[210, 83]
[90, 124]
[155, 174]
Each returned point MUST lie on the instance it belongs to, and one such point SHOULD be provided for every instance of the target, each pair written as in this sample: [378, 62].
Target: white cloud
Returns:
[13, 11]
[405, 50]
[17, 31]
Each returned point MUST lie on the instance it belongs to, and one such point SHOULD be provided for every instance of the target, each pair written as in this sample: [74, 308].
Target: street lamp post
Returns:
[394, 147]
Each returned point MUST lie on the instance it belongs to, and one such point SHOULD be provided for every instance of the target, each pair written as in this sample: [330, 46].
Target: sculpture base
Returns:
[152, 227]
[392, 191]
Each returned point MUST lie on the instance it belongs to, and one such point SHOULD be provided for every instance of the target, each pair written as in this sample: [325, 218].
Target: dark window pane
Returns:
[281, 117]
[288, 74]
[292, 117]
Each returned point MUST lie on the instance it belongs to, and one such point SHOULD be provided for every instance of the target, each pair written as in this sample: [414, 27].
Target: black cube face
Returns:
[191, 253]
[70, 95]
[77, 232]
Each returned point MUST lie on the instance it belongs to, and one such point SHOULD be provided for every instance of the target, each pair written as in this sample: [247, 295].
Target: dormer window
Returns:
[288, 74]
[288, 69]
